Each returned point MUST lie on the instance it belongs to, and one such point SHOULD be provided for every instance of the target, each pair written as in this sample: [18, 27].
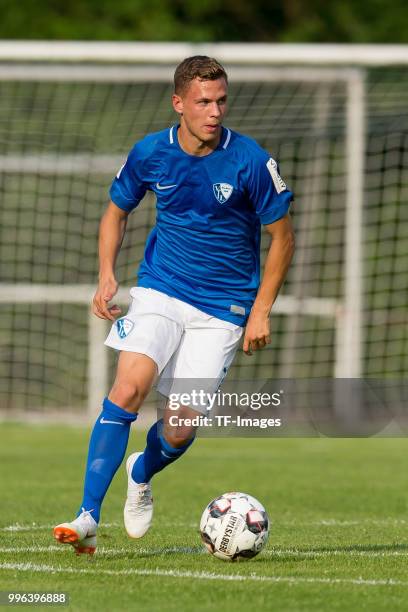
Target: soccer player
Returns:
[198, 288]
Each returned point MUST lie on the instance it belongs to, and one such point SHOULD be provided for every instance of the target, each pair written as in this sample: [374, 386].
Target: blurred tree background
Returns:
[359, 21]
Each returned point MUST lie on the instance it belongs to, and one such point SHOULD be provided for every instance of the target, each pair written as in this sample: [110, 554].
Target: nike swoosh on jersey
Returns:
[162, 187]
[104, 422]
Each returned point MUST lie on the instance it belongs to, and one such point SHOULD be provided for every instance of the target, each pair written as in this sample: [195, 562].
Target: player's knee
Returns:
[178, 437]
[128, 395]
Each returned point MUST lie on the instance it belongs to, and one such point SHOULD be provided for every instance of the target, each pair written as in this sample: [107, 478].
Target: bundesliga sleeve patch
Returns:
[278, 181]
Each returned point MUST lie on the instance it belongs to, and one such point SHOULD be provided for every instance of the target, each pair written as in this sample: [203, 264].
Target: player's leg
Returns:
[107, 446]
[203, 353]
[202, 358]
[163, 447]
[147, 337]
[164, 444]
[134, 378]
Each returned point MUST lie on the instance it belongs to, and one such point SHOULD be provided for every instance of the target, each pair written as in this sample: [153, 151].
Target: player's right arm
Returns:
[127, 190]
[111, 232]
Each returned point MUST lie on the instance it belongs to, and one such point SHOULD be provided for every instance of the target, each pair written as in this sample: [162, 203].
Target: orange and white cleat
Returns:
[81, 533]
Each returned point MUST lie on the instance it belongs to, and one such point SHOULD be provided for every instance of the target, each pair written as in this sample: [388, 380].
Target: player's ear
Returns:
[177, 104]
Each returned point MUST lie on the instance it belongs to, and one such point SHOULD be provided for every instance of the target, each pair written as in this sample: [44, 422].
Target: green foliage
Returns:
[206, 20]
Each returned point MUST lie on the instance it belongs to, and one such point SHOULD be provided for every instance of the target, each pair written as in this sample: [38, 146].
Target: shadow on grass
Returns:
[144, 553]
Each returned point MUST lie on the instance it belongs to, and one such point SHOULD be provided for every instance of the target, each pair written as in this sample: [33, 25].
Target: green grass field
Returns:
[339, 537]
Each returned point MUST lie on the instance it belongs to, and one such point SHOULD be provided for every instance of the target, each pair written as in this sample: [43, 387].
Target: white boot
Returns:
[138, 511]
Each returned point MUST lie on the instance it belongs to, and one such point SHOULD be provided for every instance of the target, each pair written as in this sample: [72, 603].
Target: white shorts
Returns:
[185, 342]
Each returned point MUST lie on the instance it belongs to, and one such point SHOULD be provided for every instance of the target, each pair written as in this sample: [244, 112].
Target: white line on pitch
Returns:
[335, 553]
[318, 523]
[114, 552]
[109, 552]
[32, 567]
[350, 523]
[330, 522]
[34, 527]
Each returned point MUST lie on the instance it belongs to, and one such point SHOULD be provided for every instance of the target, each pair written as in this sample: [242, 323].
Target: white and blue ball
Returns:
[234, 527]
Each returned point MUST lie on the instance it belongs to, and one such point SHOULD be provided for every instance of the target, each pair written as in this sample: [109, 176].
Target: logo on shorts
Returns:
[124, 327]
[222, 191]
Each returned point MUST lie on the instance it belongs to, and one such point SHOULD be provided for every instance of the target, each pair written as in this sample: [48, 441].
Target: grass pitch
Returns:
[339, 536]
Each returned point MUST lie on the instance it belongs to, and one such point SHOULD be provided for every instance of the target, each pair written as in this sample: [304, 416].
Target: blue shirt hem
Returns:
[151, 283]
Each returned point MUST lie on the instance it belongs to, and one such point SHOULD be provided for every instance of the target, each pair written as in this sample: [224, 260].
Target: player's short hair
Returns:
[197, 67]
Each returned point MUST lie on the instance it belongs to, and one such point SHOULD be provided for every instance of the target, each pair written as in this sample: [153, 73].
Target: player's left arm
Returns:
[281, 249]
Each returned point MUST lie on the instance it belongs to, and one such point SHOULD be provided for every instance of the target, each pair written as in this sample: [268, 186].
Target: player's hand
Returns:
[106, 291]
[257, 332]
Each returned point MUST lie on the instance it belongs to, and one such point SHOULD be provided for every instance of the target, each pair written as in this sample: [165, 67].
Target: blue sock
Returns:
[157, 454]
[107, 448]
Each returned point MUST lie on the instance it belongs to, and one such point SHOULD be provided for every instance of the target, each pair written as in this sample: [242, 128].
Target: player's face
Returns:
[202, 108]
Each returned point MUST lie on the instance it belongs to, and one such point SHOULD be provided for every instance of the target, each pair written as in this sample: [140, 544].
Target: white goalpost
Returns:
[313, 104]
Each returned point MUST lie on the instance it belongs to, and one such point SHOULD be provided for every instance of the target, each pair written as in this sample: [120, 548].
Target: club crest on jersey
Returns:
[124, 327]
[222, 191]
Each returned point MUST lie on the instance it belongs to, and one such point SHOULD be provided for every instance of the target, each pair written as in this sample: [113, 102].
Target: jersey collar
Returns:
[223, 144]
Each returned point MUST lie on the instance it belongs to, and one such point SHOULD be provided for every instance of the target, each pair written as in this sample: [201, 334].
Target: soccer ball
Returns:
[234, 526]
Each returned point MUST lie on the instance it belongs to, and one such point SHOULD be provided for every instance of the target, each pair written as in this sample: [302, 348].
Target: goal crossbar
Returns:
[231, 53]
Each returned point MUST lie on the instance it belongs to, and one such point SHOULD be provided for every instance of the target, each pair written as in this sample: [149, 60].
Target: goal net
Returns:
[340, 135]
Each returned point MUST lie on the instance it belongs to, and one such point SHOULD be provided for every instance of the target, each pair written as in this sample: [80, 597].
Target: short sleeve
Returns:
[267, 190]
[128, 187]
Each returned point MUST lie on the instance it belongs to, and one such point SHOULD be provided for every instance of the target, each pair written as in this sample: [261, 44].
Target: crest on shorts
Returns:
[124, 327]
[222, 191]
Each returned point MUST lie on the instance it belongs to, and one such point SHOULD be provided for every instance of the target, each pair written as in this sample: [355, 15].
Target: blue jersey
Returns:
[204, 248]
